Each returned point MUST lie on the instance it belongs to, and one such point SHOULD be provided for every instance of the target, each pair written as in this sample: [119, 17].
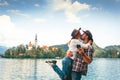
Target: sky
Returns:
[54, 20]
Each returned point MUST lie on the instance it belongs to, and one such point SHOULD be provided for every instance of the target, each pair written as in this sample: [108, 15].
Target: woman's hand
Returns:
[69, 54]
[90, 42]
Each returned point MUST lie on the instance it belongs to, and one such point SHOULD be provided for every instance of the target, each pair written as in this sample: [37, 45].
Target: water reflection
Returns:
[37, 69]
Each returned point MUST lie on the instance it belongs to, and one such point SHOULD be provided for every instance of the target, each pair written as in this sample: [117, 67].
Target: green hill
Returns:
[62, 46]
[21, 51]
[112, 51]
[98, 50]
[117, 47]
[108, 52]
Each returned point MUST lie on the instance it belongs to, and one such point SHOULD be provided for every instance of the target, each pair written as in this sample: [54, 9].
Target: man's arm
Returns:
[86, 58]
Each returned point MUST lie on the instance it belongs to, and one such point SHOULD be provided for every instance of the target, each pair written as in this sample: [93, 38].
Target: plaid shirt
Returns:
[79, 65]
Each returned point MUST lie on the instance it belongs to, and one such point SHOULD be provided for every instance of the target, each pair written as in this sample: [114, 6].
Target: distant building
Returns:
[45, 47]
[36, 41]
[54, 49]
[30, 45]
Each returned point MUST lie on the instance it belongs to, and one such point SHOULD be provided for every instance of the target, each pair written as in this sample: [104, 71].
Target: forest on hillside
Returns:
[58, 51]
[22, 51]
[107, 52]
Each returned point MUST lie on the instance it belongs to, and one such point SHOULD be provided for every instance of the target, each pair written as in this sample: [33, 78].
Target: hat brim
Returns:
[84, 31]
[89, 35]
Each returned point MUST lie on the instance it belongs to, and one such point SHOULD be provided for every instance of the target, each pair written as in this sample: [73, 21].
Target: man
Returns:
[83, 58]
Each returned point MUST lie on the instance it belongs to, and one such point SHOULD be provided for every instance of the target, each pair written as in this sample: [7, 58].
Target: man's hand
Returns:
[81, 51]
[85, 57]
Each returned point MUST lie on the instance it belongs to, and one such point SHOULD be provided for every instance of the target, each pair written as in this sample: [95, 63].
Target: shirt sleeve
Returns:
[72, 46]
[85, 46]
[91, 52]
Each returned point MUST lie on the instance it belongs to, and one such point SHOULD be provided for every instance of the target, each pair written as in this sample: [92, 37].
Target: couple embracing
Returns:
[78, 56]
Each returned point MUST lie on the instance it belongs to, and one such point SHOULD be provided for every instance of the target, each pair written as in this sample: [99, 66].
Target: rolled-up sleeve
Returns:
[91, 52]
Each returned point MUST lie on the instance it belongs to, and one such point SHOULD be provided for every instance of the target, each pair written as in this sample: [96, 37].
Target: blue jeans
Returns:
[76, 75]
[65, 73]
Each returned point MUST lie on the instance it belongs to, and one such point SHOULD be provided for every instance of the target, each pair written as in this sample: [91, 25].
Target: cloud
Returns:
[117, 0]
[5, 3]
[7, 27]
[39, 20]
[86, 15]
[72, 17]
[6, 24]
[15, 0]
[17, 12]
[95, 8]
[10, 35]
[36, 5]
[70, 9]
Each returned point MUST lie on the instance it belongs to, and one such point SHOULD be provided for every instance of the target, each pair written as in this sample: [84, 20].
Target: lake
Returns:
[37, 69]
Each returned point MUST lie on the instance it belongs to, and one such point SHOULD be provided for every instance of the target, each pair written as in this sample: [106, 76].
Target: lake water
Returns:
[31, 69]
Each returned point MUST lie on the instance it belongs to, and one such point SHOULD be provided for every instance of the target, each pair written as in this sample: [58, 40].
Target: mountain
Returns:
[117, 47]
[2, 49]
[112, 51]
[62, 46]
[97, 49]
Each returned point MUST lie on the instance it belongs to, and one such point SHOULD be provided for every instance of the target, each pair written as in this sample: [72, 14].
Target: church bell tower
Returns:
[36, 41]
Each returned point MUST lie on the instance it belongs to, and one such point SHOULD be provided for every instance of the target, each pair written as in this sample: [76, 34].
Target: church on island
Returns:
[45, 47]
[33, 50]
[30, 45]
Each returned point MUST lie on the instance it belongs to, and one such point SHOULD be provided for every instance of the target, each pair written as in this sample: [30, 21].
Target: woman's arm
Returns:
[83, 45]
